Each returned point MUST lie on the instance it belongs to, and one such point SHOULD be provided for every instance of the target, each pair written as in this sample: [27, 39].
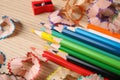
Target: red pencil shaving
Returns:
[60, 61]
[28, 67]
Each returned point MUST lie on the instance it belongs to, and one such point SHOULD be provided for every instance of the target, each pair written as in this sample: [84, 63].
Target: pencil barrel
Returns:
[109, 48]
[57, 34]
[91, 53]
[93, 68]
[90, 60]
[104, 31]
[97, 38]
[60, 61]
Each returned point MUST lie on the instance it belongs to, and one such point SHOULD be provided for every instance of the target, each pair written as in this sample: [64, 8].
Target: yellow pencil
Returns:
[46, 36]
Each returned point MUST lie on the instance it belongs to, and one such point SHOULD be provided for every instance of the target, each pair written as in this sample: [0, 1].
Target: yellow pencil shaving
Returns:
[52, 74]
[46, 47]
[32, 30]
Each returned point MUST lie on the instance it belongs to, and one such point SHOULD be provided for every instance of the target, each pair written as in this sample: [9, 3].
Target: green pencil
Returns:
[90, 53]
[88, 59]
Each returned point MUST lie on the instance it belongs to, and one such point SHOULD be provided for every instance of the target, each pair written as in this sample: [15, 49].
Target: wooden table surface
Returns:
[20, 42]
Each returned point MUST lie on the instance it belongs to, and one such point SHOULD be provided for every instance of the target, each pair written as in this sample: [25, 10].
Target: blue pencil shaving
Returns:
[2, 59]
[43, 29]
[5, 33]
[91, 77]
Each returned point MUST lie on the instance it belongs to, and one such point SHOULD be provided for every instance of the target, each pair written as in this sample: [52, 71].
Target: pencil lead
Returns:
[49, 43]
[43, 29]
[55, 51]
[32, 30]
[42, 23]
[47, 26]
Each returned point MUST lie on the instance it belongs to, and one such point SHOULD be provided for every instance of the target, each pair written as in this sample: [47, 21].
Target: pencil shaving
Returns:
[2, 59]
[92, 77]
[62, 74]
[6, 76]
[106, 16]
[56, 18]
[28, 67]
[4, 33]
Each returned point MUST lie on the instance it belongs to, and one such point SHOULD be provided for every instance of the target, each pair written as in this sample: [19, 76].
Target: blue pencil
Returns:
[90, 35]
[97, 38]
[92, 42]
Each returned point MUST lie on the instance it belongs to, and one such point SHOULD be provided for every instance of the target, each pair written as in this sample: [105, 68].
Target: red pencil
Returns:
[60, 61]
[46, 55]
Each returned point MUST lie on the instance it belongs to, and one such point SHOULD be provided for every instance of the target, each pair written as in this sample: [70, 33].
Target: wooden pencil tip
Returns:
[60, 28]
[46, 25]
[58, 40]
[55, 46]
[48, 31]
[38, 32]
[33, 48]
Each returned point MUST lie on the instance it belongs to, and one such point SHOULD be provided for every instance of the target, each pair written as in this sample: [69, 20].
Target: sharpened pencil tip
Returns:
[33, 30]
[55, 46]
[42, 23]
[32, 48]
[55, 51]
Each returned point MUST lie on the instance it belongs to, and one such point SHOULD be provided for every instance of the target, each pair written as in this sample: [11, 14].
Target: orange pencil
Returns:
[99, 29]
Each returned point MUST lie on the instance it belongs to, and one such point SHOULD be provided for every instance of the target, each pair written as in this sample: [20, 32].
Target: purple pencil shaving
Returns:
[106, 16]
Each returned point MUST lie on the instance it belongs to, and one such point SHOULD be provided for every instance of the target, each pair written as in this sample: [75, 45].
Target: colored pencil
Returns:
[90, 53]
[104, 35]
[86, 65]
[111, 49]
[97, 37]
[104, 31]
[60, 61]
[87, 59]
[57, 34]
[93, 68]
[45, 36]
[93, 54]
[86, 32]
